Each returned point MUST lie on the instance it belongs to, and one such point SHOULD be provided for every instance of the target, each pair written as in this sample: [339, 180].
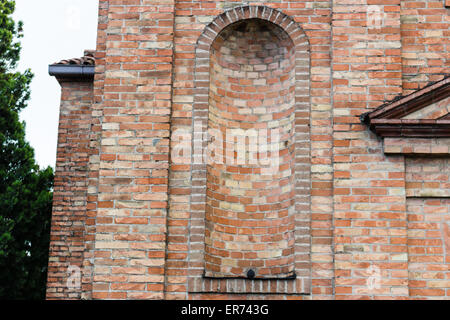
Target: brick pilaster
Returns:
[130, 241]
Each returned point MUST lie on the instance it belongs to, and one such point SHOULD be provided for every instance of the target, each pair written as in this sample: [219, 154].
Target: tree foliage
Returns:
[25, 190]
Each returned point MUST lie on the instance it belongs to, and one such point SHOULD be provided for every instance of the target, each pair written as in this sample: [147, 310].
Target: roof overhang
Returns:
[64, 72]
[386, 120]
[411, 128]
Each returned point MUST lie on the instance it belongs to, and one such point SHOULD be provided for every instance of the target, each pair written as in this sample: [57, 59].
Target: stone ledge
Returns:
[244, 286]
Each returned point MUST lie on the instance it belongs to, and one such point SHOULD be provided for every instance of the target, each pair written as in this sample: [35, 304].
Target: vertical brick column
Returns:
[369, 196]
[130, 242]
[94, 160]
[315, 17]
[69, 197]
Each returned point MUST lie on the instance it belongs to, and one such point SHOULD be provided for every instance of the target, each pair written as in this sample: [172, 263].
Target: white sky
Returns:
[54, 30]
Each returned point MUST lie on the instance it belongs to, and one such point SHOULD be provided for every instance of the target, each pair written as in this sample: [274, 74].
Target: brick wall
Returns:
[425, 42]
[135, 101]
[439, 147]
[427, 177]
[68, 226]
[369, 197]
[428, 206]
[161, 81]
[186, 229]
[94, 160]
[429, 247]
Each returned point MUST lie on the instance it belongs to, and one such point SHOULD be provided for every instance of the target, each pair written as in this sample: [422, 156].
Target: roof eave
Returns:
[412, 129]
[386, 120]
[72, 73]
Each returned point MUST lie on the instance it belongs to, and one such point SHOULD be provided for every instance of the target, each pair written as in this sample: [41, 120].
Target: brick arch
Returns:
[301, 284]
[231, 16]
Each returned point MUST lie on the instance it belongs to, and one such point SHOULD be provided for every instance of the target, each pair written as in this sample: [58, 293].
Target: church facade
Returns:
[285, 149]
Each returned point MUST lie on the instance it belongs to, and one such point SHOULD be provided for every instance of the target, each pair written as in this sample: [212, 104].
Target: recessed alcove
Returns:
[264, 108]
[250, 195]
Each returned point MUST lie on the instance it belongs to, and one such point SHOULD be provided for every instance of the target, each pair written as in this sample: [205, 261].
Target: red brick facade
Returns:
[160, 192]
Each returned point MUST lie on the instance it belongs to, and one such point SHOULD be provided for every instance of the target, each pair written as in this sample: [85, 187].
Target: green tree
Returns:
[25, 190]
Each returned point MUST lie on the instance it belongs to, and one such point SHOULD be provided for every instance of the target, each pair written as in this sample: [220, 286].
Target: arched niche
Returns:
[250, 179]
[199, 279]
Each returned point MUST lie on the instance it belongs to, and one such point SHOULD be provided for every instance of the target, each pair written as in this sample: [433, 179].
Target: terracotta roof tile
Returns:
[86, 60]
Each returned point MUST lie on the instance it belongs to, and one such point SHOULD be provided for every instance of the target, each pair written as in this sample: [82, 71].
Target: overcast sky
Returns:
[54, 30]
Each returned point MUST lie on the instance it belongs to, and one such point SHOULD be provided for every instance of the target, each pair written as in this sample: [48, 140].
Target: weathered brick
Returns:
[354, 216]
